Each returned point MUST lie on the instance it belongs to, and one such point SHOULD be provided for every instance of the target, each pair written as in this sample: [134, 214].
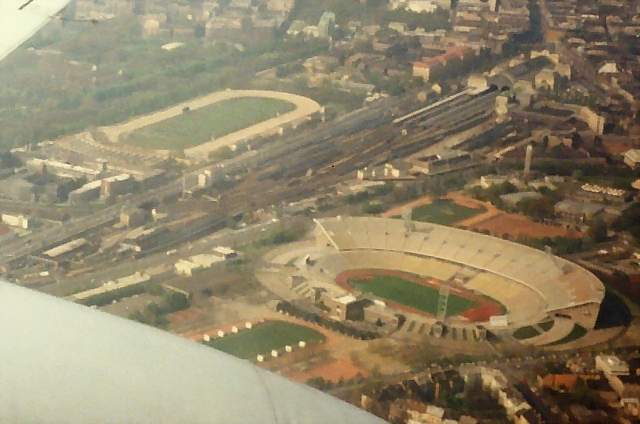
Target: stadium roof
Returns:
[560, 282]
[63, 362]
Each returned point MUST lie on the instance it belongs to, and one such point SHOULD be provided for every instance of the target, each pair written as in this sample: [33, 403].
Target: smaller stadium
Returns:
[416, 278]
[264, 338]
[220, 119]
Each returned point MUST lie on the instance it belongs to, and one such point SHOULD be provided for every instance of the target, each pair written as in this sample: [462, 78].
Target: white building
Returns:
[19, 221]
[611, 365]
[188, 267]
[66, 248]
[632, 158]
[112, 286]
[225, 252]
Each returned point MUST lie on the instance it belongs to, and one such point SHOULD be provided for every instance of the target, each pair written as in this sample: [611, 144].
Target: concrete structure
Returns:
[377, 313]
[528, 158]
[188, 267]
[397, 170]
[65, 249]
[122, 285]
[578, 211]
[116, 185]
[225, 253]
[205, 179]
[447, 160]
[596, 122]
[598, 192]
[487, 181]
[326, 25]
[424, 68]
[346, 307]
[61, 169]
[545, 79]
[632, 158]
[611, 365]
[134, 217]
[433, 415]
[500, 269]
[19, 221]
[86, 193]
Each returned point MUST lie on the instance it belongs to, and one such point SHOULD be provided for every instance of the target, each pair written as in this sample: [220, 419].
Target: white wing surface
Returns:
[21, 19]
[65, 363]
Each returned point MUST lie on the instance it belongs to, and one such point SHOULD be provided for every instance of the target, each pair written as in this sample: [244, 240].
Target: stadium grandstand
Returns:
[533, 286]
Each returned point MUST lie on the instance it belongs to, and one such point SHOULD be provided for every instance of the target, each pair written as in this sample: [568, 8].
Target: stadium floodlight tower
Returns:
[443, 302]
[409, 226]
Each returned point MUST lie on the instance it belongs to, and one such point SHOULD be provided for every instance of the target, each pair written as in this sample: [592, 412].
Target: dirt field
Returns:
[520, 226]
[499, 223]
[186, 316]
[335, 370]
[462, 200]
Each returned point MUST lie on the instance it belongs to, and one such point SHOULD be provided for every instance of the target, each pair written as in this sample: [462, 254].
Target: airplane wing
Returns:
[21, 19]
[61, 362]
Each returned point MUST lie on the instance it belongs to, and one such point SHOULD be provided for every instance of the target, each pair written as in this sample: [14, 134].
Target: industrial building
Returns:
[194, 264]
[125, 286]
[441, 162]
[632, 158]
[116, 185]
[65, 250]
[134, 217]
[86, 193]
[578, 212]
[19, 221]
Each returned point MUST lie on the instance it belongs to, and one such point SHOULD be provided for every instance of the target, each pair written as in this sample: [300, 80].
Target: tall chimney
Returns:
[527, 161]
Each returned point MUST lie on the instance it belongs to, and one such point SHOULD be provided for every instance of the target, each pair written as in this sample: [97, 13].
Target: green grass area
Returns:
[577, 332]
[445, 212]
[546, 326]
[199, 126]
[527, 332]
[417, 296]
[264, 338]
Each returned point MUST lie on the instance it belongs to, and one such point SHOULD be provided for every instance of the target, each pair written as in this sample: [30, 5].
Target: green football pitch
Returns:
[414, 295]
[444, 212]
[201, 125]
[263, 338]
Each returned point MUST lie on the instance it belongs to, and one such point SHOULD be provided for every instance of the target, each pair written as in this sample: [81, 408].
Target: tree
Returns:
[537, 208]
[629, 221]
[199, 31]
[598, 230]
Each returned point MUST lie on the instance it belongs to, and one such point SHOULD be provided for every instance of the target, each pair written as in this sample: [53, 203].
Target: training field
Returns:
[199, 126]
[520, 226]
[265, 337]
[414, 295]
[444, 212]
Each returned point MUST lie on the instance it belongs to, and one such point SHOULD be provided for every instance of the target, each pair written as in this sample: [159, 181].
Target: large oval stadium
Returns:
[436, 275]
